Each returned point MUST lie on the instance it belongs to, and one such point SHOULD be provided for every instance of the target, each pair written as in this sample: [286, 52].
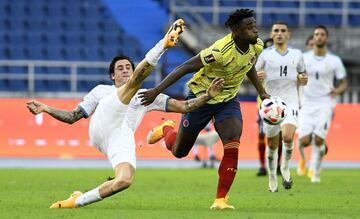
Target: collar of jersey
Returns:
[241, 52]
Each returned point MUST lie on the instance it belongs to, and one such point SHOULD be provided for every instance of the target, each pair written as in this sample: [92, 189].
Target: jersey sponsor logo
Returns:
[252, 60]
[209, 58]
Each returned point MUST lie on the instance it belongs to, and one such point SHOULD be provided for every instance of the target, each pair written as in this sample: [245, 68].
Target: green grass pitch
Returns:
[178, 193]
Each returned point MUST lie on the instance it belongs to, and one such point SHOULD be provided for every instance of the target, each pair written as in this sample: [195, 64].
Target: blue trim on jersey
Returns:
[83, 111]
[287, 51]
[166, 104]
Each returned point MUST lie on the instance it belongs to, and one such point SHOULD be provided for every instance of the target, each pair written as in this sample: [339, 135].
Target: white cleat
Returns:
[315, 179]
[273, 185]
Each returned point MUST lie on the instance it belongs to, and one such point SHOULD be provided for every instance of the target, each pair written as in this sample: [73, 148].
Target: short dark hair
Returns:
[237, 16]
[322, 27]
[117, 58]
[268, 41]
[308, 39]
[281, 22]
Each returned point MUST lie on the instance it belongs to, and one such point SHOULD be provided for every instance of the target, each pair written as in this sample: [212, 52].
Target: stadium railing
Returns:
[71, 72]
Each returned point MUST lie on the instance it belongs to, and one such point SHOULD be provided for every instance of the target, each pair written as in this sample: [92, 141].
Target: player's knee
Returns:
[121, 184]
[319, 141]
[287, 138]
[305, 141]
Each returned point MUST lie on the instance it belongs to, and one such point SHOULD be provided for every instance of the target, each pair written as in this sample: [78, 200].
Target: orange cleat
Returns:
[301, 167]
[172, 36]
[68, 203]
[157, 132]
[221, 204]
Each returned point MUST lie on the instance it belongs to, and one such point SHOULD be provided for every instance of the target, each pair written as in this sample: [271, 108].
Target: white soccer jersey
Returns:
[322, 70]
[281, 73]
[113, 123]
[136, 111]
[92, 99]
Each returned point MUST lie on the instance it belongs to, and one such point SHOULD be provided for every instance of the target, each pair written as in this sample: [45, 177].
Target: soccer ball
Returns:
[273, 110]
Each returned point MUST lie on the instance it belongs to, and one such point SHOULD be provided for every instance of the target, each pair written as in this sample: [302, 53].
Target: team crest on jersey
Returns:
[185, 123]
[209, 58]
[252, 60]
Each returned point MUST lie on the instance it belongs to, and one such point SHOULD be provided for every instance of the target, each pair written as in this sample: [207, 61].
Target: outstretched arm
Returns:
[340, 89]
[36, 107]
[252, 75]
[192, 65]
[189, 105]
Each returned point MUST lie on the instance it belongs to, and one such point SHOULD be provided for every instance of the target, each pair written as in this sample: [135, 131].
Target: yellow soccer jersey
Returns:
[223, 59]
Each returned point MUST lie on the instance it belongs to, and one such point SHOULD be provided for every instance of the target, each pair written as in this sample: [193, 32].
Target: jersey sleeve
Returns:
[260, 63]
[159, 104]
[340, 72]
[211, 55]
[259, 46]
[301, 65]
[89, 103]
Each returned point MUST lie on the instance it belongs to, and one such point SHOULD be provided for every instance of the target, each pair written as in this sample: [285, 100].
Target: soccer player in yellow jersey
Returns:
[232, 58]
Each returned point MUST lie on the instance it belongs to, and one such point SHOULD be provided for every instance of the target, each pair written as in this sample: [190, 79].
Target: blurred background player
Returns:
[309, 44]
[319, 99]
[208, 140]
[282, 69]
[261, 136]
[224, 58]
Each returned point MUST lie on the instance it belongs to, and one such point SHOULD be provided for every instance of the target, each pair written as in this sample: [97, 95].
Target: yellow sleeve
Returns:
[211, 56]
[259, 101]
[259, 46]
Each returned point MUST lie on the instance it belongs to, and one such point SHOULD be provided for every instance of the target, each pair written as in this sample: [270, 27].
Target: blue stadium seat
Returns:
[354, 20]
[18, 85]
[354, 4]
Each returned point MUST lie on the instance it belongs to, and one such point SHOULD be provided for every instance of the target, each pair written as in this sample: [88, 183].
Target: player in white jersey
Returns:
[282, 69]
[319, 98]
[116, 115]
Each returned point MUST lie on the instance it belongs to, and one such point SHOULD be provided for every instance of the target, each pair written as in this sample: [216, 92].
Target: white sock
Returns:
[287, 149]
[154, 55]
[314, 153]
[302, 151]
[318, 160]
[195, 150]
[88, 198]
[271, 160]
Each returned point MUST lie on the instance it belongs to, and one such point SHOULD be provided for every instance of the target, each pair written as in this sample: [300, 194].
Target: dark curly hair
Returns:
[237, 16]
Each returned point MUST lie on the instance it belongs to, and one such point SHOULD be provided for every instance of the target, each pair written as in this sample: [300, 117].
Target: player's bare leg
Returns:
[124, 176]
[288, 132]
[146, 66]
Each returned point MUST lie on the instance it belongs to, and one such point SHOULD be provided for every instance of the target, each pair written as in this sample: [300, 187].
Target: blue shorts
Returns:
[196, 120]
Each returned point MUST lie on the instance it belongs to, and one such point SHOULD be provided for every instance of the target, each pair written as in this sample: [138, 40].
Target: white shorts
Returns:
[315, 119]
[109, 134]
[291, 118]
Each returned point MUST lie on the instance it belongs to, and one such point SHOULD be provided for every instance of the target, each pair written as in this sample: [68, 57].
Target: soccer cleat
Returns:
[301, 167]
[68, 203]
[261, 172]
[315, 178]
[310, 173]
[221, 204]
[287, 184]
[273, 185]
[157, 132]
[172, 36]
